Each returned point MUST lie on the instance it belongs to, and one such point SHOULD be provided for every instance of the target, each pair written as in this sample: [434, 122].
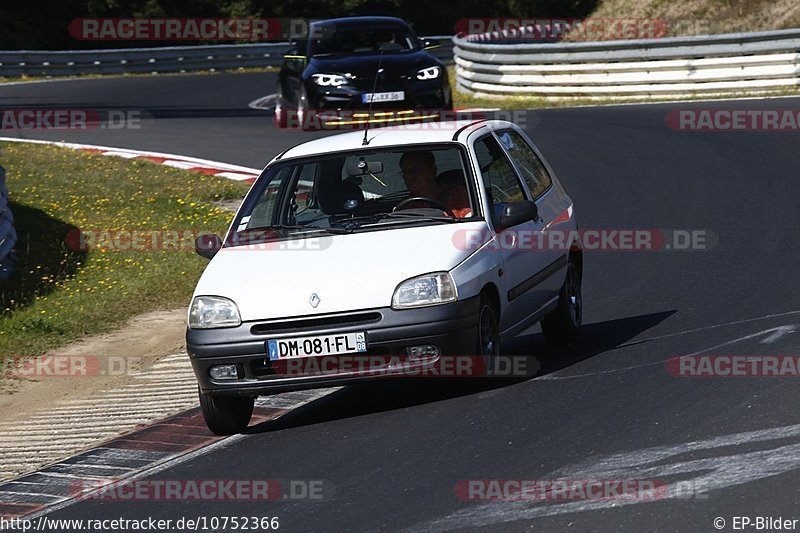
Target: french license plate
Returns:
[314, 346]
[395, 96]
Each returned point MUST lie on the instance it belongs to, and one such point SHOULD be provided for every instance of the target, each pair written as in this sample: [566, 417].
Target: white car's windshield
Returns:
[349, 192]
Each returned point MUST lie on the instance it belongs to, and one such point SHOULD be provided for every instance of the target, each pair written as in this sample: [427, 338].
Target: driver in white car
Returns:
[419, 172]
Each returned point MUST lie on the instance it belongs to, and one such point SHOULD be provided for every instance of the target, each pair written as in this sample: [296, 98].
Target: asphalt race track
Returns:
[390, 455]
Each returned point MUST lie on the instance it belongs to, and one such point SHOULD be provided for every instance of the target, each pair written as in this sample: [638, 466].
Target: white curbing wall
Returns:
[502, 65]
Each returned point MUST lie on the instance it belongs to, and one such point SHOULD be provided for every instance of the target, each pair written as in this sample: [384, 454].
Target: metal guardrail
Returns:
[8, 236]
[496, 65]
[140, 60]
[164, 59]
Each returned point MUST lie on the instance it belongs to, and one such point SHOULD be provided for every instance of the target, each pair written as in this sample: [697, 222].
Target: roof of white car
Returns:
[423, 133]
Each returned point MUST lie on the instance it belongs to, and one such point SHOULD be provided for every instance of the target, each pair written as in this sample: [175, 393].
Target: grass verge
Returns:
[59, 292]
[241, 70]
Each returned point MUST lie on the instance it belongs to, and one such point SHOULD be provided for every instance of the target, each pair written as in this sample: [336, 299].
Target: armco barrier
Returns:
[8, 236]
[165, 59]
[499, 65]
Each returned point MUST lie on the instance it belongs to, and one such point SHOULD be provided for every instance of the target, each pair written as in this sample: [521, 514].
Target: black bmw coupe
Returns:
[346, 64]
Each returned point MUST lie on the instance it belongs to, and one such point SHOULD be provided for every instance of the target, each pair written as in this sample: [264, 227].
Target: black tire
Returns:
[488, 338]
[306, 118]
[226, 415]
[562, 326]
[279, 117]
[448, 103]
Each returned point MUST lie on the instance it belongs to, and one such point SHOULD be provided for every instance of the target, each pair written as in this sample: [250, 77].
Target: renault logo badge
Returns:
[314, 300]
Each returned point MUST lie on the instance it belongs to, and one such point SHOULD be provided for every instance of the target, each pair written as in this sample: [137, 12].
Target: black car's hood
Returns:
[366, 65]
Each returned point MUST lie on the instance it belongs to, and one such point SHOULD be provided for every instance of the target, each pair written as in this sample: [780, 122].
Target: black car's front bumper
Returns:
[452, 328]
[419, 95]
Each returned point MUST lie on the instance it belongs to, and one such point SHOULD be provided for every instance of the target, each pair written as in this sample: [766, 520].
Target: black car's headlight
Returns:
[329, 80]
[430, 73]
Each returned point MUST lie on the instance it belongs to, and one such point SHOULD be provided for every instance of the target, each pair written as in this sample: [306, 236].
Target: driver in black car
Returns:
[419, 172]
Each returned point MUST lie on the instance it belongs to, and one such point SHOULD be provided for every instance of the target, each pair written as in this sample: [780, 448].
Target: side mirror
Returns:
[517, 213]
[430, 44]
[291, 52]
[293, 58]
[207, 245]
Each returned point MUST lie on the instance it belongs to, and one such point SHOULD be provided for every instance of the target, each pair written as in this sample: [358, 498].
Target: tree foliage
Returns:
[42, 24]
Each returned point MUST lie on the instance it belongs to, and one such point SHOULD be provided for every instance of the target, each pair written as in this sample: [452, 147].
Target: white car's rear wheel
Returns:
[562, 325]
[488, 332]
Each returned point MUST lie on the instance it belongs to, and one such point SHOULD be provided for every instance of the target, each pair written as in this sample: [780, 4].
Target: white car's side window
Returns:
[529, 165]
[264, 210]
[499, 177]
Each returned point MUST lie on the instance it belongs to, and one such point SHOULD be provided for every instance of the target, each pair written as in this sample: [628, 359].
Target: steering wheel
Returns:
[435, 203]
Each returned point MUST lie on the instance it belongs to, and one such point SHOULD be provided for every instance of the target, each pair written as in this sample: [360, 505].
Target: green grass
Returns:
[58, 293]
[241, 70]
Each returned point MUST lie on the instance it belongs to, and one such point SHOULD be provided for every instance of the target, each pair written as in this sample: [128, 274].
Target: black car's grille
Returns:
[388, 83]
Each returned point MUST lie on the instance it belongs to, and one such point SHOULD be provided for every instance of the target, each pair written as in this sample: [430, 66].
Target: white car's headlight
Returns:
[429, 289]
[430, 73]
[213, 312]
[329, 80]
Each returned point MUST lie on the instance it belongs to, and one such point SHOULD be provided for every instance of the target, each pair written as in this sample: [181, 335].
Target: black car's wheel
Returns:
[488, 332]
[279, 118]
[448, 100]
[562, 325]
[226, 415]
[298, 116]
[305, 117]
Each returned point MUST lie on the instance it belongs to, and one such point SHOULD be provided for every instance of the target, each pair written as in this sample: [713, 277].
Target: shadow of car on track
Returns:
[385, 395]
[43, 260]
[114, 113]
[596, 339]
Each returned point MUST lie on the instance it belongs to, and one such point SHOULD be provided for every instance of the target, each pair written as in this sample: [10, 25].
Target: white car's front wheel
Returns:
[226, 415]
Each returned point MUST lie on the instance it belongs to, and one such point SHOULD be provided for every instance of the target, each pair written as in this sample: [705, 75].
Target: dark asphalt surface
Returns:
[390, 455]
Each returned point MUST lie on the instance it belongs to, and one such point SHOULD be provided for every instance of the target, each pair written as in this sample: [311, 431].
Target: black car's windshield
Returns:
[364, 40]
[357, 190]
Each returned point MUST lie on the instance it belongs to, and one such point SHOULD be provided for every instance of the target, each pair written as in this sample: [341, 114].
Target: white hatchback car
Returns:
[405, 242]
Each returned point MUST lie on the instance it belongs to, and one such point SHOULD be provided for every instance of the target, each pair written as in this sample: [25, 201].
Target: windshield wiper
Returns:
[377, 217]
[299, 227]
[420, 216]
[338, 231]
